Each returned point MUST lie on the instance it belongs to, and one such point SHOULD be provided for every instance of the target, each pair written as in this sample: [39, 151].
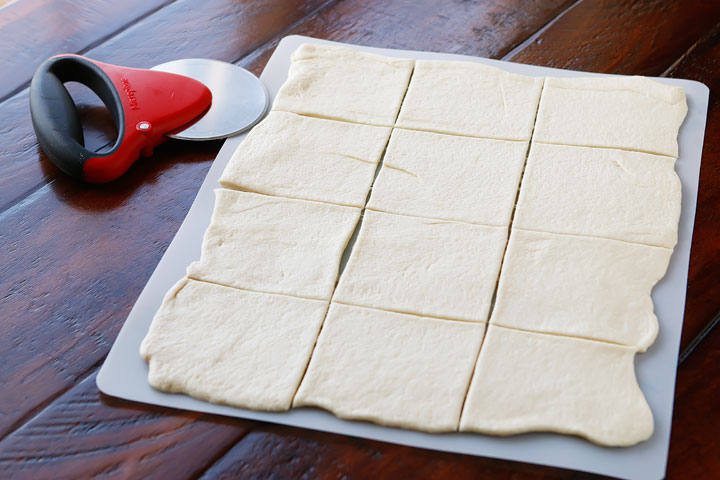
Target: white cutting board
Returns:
[124, 373]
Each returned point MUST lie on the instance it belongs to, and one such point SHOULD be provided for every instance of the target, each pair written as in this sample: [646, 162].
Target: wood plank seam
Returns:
[703, 38]
[699, 338]
[47, 402]
[530, 39]
[95, 43]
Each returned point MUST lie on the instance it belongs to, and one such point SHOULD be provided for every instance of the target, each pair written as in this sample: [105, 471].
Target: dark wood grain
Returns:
[75, 257]
[50, 27]
[180, 30]
[694, 442]
[275, 451]
[84, 237]
[632, 37]
[88, 435]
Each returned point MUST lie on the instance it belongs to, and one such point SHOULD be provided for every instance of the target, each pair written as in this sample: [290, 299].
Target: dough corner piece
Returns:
[631, 113]
[341, 83]
[393, 369]
[530, 382]
[230, 346]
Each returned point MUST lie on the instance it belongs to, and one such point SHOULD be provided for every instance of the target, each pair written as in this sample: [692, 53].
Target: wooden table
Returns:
[75, 257]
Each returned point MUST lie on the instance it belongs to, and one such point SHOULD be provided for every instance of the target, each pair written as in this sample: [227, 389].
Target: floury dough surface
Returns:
[472, 180]
[464, 98]
[580, 286]
[308, 158]
[231, 346]
[631, 113]
[600, 192]
[393, 369]
[344, 84]
[528, 382]
[274, 245]
[427, 267]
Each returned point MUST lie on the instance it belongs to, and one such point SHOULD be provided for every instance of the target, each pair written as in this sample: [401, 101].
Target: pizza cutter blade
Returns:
[239, 99]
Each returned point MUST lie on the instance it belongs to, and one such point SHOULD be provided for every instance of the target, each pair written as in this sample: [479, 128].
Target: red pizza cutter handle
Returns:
[146, 105]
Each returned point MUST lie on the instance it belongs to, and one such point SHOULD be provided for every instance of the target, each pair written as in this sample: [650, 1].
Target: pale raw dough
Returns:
[274, 245]
[472, 180]
[528, 381]
[581, 286]
[392, 369]
[632, 113]
[231, 346]
[344, 84]
[464, 98]
[308, 158]
[601, 192]
[421, 266]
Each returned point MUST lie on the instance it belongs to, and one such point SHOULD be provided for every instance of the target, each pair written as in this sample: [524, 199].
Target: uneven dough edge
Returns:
[636, 418]
[186, 383]
[536, 245]
[324, 386]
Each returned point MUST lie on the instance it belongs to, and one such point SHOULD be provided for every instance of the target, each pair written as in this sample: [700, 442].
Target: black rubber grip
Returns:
[55, 117]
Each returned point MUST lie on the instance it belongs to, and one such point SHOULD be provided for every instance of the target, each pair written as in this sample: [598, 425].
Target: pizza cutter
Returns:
[191, 99]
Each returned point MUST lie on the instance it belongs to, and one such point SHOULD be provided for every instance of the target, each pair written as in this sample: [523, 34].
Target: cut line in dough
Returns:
[471, 99]
[616, 194]
[448, 177]
[230, 346]
[274, 245]
[631, 113]
[293, 156]
[580, 286]
[527, 382]
[408, 264]
[391, 369]
[344, 84]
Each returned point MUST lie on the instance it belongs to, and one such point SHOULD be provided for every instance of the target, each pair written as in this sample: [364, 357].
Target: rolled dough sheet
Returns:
[393, 369]
[426, 267]
[610, 193]
[528, 381]
[632, 113]
[308, 158]
[464, 98]
[472, 180]
[344, 84]
[274, 245]
[231, 346]
[581, 286]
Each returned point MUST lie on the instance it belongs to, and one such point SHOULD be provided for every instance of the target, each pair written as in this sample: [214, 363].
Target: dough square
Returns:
[527, 381]
[230, 346]
[274, 245]
[393, 369]
[632, 113]
[473, 99]
[343, 84]
[609, 193]
[422, 266]
[449, 177]
[308, 158]
[580, 286]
